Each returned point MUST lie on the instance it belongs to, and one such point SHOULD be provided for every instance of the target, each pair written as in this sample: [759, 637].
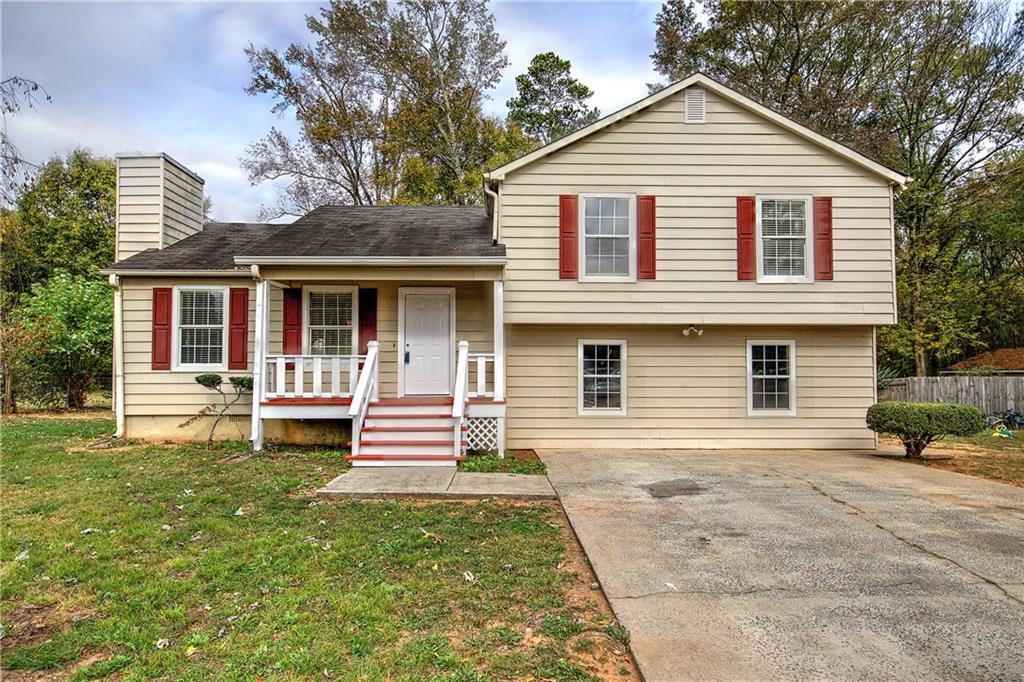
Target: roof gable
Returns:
[727, 93]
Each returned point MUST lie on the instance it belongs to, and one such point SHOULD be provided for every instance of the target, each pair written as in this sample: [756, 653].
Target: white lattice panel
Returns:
[482, 433]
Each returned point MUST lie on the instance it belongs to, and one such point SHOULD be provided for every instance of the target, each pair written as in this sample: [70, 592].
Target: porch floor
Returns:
[385, 482]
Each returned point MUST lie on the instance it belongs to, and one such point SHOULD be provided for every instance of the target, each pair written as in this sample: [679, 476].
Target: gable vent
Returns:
[696, 106]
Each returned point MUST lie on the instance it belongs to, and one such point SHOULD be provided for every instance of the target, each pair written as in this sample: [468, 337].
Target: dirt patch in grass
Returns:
[983, 456]
[32, 624]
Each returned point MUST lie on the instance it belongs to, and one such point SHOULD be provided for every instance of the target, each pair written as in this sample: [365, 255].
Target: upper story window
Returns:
[609, 236]
[330, 321]
[200, 328]
[784, 239]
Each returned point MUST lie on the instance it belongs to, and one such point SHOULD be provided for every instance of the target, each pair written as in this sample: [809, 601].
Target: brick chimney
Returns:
[159, 202]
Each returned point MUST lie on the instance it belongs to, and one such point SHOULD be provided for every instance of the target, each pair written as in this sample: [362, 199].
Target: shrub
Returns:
[918, 424]
[68, 337]
[215, 382]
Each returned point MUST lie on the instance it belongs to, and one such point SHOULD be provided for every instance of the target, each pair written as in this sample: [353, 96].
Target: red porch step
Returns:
[412, 429]
[427, 400]
[410, 443]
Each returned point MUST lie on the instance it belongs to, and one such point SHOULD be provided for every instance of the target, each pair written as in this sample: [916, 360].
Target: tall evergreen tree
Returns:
[549, 102]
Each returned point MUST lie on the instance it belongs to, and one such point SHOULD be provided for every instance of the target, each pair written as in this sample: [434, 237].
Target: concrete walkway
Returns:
[437, 482]
[801, 565]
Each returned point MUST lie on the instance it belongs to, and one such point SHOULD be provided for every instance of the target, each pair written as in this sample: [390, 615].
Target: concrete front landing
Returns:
[442, 483]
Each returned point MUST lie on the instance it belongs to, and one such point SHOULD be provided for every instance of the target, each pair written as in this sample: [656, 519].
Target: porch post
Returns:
[499, 340]
[259, 355]
[499, 358]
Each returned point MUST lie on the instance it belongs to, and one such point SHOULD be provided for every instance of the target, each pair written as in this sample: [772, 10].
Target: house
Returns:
[1002, 361]
[693, 271]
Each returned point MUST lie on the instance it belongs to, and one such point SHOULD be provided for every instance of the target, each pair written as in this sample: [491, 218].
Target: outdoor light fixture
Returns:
[691, 328]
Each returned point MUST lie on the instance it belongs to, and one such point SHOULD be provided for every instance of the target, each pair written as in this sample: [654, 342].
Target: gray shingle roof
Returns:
[333, 231]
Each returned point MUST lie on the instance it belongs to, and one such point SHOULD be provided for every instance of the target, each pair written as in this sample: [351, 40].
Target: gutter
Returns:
[370, 260]
[494, 213]
[173, 273]
[118, 378]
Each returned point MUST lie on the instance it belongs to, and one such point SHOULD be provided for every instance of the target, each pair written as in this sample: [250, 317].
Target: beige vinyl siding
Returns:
[696, 171]
[152, 393]
[158, 204]
[183, 204]
[139, 183]
[689, 392]
[157, 393]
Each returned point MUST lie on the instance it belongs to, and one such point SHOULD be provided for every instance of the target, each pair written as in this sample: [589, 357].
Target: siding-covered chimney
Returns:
[159, 202]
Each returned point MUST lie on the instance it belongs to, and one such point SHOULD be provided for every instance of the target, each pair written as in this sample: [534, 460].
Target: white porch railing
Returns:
[481, 379]
[367, 389]
[460, 394]
[310, 376]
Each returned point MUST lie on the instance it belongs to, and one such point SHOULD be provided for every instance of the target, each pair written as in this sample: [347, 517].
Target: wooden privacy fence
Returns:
[991, 395]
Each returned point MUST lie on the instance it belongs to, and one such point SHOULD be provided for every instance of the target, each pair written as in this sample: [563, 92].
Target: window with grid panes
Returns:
[771, 377]
[602, 376]
[330, 323]
[784, 238]
[201, 327]
[607, 234]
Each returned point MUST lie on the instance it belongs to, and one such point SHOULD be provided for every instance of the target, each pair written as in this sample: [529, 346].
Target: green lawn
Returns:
[183, 563]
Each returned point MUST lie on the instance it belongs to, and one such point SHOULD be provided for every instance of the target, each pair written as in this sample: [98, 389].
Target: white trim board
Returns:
[728, 93]
[402, 293]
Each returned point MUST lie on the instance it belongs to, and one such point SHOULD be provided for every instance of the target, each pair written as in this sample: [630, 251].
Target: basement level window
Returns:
[602, 377]
[771, 378]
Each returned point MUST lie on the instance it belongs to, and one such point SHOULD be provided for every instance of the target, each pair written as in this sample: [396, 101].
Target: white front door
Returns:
[427, 357]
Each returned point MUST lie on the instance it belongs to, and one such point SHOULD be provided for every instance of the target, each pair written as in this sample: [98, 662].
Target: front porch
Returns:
[415, 366]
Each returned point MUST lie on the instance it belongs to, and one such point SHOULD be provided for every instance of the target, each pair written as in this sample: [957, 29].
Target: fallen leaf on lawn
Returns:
[89, 531]
[190, 652]
[22, 556]
[163, 643]
[239, 512]
[434, 568]
[197, 537]
[470, 578]
[165, 527]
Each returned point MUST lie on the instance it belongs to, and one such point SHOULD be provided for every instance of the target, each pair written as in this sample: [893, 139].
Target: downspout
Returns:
[115, 282]
[494, 213]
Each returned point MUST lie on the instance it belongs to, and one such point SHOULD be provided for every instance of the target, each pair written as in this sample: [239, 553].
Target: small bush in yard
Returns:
[918, 424]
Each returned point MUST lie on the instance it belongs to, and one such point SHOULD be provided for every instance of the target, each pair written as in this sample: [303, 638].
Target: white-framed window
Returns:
[607, 237]
[602, 376]
[200, 328]
[771, 378]
[329, 320]
[785, 251]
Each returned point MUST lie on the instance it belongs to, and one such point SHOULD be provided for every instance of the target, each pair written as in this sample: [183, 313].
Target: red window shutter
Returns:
[238, 331]
[367, 318]
[646, 250]
[291, 342]
[823, 238]
[746, 234]
[568, 226]
[162, 300]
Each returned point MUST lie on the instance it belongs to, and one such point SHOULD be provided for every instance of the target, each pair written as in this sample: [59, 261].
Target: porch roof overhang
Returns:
[373, 260]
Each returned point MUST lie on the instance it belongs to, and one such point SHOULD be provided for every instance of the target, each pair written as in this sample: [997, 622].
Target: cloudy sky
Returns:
[170, 76]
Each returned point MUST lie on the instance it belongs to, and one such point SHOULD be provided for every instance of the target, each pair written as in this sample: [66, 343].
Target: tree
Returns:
[930, 89]
[386, 91]
[550, 103]
[64, 219]
[16, 94]
[69, 323]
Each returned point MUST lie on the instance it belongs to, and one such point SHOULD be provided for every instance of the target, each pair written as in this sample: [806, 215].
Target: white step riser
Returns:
[370, 449]
[403, 463]
[409, 409]
[419, 421]
[371, 436]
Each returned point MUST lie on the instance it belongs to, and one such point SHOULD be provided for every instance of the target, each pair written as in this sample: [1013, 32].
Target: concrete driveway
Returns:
[825, 565]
